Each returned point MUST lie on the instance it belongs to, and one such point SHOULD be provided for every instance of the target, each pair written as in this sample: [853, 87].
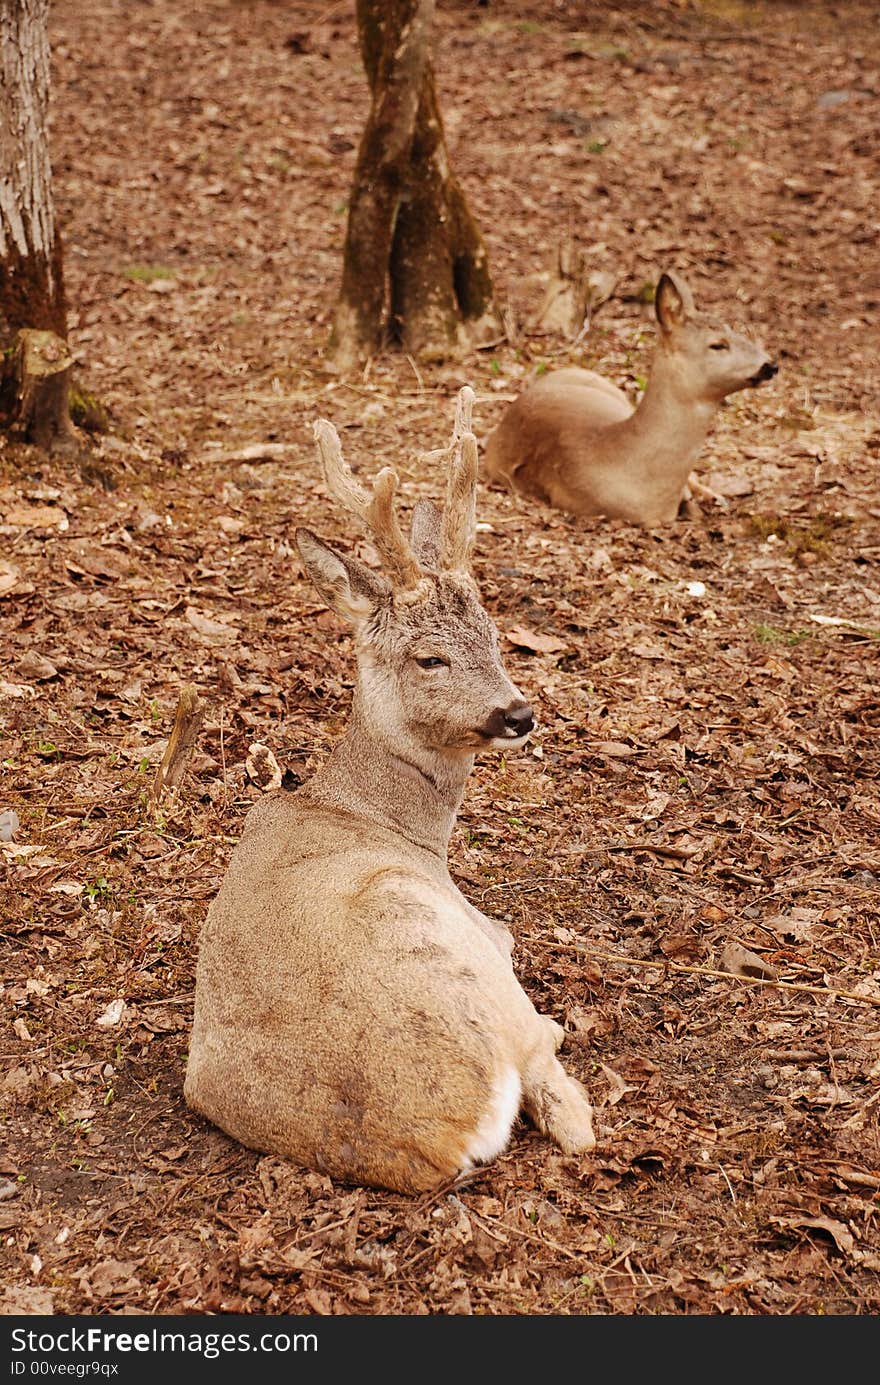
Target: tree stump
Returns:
[40, 384]
[573, 294]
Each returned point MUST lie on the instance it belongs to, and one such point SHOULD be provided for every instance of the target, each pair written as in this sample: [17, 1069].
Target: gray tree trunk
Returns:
[31, 275]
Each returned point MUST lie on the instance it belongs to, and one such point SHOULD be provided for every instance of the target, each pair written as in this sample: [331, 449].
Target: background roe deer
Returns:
[573, 440]
[353, 1011]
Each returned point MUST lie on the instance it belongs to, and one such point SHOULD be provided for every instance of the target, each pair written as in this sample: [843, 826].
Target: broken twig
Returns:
[711, 971]
[187, 723]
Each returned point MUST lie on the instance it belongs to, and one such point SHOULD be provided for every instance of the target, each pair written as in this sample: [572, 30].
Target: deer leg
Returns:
[695, 487]
[557, 1032]
[557, 1103]
[496, 932]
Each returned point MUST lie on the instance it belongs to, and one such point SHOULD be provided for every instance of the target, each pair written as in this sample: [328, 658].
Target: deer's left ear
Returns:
[350, 588]
[426, 533]
[673, 301]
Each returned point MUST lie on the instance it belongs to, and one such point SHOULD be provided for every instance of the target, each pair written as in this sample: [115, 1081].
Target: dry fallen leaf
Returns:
[841, 1236]
[739, 961]
[262, 767]
[649, 649]
[9, 577]
[209, 630]
[112, 1016]
[36, 666]
[319, 1301]
[29, 1299]
[36, 517]
[13, 849]
[799, 923]
[22, 690]
[523, 638]
[616, 750]
[110, 1277]
[618, 1086]
[730, 486]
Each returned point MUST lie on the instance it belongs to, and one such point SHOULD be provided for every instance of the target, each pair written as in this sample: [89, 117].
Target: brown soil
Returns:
[705, 772]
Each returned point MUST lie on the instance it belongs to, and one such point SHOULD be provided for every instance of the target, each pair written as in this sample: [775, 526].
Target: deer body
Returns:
[573, 440]
[354, 1012]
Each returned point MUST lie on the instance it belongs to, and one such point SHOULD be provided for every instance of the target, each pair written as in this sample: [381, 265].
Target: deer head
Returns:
[708, 359]
[430, 679]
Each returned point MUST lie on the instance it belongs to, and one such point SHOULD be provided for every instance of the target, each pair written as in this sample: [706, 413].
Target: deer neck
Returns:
[417, 798]
[669, 426]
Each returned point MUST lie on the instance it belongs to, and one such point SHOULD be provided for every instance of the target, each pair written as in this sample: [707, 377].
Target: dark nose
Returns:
[518, 718]
[767, 371]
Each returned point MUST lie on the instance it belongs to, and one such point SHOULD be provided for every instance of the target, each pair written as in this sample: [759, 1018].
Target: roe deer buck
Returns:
[573, 440]
[354, 1012]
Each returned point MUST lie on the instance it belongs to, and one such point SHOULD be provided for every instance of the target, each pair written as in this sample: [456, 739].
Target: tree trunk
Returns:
[32, 300]
[414, 261]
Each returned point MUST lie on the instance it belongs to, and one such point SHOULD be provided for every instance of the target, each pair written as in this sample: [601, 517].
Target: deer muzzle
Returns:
[767, 371]
[509, 723]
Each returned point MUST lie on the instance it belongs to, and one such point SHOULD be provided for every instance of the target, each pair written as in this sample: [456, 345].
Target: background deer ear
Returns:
[352, 590]
[673, 301]
[426, 533]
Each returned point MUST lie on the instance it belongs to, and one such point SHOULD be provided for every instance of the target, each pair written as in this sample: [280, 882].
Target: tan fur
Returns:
[574, 441]
[354, 1012]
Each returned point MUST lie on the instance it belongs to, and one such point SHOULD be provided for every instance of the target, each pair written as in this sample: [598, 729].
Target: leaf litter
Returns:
[703, 776]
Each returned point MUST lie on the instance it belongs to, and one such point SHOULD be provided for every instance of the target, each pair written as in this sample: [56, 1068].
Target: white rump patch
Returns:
[493, 1131]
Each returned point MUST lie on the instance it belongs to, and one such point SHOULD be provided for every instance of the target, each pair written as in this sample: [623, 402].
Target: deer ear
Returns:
[673, 302]
[426, 533]
[352, 590]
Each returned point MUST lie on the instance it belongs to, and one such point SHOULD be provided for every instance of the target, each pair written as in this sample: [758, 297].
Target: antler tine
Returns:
[460, 512]
[385, 526]
[374, 509]
[460, 459]
[464, 408]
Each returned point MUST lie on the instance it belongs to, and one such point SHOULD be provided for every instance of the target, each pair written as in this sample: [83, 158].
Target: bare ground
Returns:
[705, 772]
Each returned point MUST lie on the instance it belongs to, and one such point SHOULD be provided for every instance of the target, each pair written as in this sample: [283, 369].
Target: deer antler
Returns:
[374, 509]
[460, 510]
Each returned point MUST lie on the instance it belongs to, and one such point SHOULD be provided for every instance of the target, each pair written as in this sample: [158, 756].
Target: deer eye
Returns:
[432, 661]
[719, 345]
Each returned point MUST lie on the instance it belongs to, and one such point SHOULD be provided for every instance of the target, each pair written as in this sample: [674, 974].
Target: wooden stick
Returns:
[187, 723]
[253, 452]
[710, 971]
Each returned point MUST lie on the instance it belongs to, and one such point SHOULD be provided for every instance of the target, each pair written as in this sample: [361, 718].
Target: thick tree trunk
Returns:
[394, 36]
[414, 261]
[32, 304]
[441, 288]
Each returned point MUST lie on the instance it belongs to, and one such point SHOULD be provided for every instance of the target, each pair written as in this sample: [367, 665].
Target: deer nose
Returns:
[518, 718]
[767, 371]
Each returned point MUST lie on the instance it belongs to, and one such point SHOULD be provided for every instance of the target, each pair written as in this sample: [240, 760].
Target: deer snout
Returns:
[767, 371]
[519, 718]
[510, 722]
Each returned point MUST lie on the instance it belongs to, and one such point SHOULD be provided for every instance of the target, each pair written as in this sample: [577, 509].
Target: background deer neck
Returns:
[669, 426]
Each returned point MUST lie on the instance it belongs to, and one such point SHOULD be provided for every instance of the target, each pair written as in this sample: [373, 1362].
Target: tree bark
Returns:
[32, 301]
[414, 263]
